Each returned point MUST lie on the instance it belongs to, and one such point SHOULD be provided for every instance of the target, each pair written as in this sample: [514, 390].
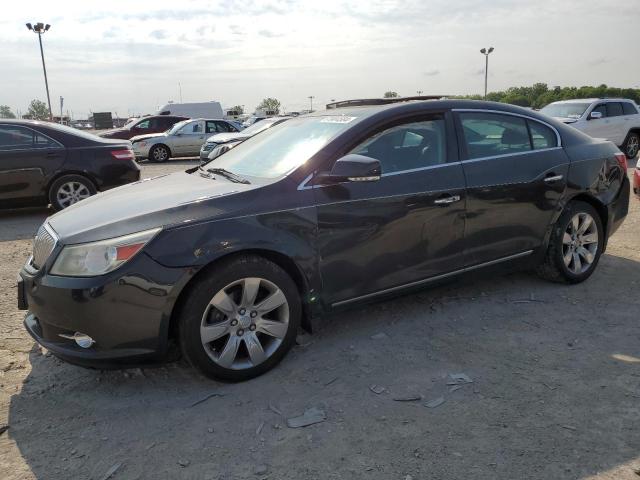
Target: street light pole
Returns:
[41, 28]
[311, 97]
[486, 53]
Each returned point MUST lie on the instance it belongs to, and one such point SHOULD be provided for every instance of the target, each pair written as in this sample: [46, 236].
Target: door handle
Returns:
[553, 178]
[449, 199]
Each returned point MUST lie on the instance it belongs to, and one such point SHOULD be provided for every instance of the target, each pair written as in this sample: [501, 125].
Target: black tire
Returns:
[631, 145]
[159, 153]
[197, 303]
[553, 267]
[56, 198]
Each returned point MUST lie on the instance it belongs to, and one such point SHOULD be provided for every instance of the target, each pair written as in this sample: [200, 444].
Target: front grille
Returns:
[208, 146]
[43, 245]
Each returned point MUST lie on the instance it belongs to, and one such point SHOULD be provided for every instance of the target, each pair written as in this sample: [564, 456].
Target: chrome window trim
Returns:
[432, 279]
[493, 157]
[33, 148]
[526, 117]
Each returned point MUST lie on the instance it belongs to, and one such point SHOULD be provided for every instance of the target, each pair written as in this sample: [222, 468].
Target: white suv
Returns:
[615, 119]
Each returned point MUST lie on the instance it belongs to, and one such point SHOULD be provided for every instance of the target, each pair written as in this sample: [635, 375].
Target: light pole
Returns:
[311, 97]
[419, 92]
[486, 53]
[41, 28]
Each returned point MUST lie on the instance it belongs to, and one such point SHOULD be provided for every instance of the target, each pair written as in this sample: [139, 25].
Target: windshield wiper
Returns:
[228, 175]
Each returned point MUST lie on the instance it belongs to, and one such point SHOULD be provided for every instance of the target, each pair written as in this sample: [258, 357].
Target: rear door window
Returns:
[614, 109]
[21, 138]
[491, 134]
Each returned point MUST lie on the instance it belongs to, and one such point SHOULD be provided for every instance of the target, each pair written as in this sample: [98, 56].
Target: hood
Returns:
[111, 132]
[137, 138]
[167, 200]
[227, 137]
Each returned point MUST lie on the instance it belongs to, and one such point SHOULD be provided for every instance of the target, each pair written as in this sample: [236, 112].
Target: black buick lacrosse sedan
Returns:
[338, 207]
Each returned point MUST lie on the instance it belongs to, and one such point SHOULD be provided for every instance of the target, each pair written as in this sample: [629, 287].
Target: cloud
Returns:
[431, 73]
[269, 34]
[159, 34]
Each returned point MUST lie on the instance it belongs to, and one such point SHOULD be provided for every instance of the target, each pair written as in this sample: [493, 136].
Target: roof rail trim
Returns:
[380, 101]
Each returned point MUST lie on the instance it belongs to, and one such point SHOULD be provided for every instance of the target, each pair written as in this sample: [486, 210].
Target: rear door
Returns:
[27, 159]
[406, 227]
[516, 174]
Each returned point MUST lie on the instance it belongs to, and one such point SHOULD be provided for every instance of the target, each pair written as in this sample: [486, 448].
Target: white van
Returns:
[193, 110]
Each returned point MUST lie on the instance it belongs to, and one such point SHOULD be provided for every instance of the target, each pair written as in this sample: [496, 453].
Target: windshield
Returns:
[177, 127]
[565, 109]
[130, 122]
[71, 131]
[282, 148]
[260, 126]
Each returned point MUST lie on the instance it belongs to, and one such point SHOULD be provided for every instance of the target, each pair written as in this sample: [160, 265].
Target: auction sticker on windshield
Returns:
[337, 119]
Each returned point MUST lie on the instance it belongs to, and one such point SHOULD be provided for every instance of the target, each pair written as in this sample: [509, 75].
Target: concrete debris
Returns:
[436, 402]
[309, 417]
[112, 471]
[377, 389]
[459, 379]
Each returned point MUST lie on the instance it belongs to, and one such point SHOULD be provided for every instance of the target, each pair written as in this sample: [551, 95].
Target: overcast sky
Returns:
[128, 57]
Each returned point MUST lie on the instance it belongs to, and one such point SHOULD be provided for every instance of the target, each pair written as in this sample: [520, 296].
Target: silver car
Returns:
[184, 139]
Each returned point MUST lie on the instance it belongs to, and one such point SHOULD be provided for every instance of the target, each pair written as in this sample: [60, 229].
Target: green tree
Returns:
[391, 94]
[238, 109]
[5, 112]
[38, 110]
[270, 105]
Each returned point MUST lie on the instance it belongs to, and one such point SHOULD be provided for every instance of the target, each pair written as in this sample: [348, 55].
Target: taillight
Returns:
[126, 154]
[622, 160]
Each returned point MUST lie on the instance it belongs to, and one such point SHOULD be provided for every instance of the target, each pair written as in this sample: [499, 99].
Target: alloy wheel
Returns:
[160, 154]
[633, 144]
[580, 243]
[72, 192]
[245, 323]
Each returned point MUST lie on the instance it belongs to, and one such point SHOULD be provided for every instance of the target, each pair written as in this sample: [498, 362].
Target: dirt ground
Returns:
[555, 390]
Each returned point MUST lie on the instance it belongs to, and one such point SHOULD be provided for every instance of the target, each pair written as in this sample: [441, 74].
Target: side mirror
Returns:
[353, 168]
[595, 115]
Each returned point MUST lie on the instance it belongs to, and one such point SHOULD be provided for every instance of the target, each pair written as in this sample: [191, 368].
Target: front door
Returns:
[27, 158]
[406, 227]
[189, 139]
[516, 173]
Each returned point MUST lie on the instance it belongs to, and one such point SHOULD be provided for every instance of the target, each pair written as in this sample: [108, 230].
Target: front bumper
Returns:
[140, 151]
[636, 181]
[126, 312]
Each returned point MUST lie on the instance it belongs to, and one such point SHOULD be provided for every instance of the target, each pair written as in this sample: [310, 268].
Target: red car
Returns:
[636, 180]
[143, 126]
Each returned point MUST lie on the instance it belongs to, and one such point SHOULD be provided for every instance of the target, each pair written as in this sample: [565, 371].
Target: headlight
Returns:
[98, 258]
[140, 144]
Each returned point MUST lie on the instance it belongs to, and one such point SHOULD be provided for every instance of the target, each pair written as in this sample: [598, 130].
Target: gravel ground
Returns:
[555, 389]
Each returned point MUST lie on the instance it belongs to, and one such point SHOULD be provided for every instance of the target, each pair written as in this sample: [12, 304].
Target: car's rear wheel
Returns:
[575, 245]
[159, 153]
[240, 320]
[70, 189]
[631, 145]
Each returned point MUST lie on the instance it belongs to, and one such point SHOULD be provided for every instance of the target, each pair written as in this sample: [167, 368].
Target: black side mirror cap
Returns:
[352, 168]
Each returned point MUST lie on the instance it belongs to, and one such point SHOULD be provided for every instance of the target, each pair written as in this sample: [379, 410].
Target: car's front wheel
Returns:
[240, 320]
[575, 245]
[159, 153]
[70, 189]
[631, 145]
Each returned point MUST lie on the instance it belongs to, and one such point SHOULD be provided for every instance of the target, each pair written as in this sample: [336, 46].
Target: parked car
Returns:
[253, 119]
[193, 109]
[45, 163]
[219, 143]
[318, 213]
[615, 119]
[143, 126]
[184, 139]
[636, 180]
